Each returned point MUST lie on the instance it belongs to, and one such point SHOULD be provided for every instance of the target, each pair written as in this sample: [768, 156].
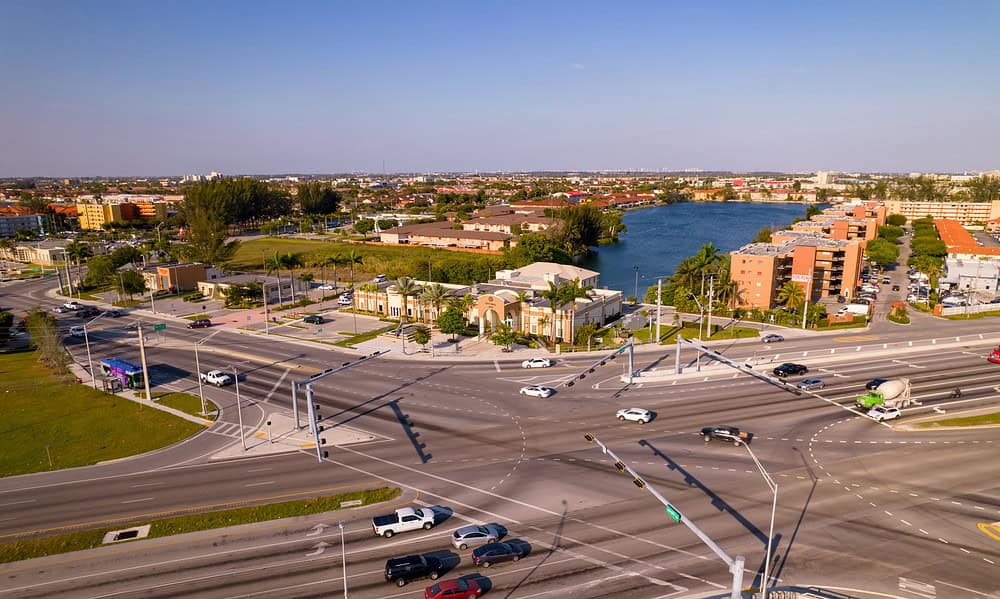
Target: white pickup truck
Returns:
[402, 520]
[73, 305]
[217, 378]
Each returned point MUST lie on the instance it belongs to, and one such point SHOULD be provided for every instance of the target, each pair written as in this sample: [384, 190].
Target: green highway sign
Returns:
[160, 327]
[673, 513]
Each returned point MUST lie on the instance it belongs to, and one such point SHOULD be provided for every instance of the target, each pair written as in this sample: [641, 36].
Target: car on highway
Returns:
[811, 384]
[634, 415]
[874, 383]
[327, 287]
[113, 313]
[201, 323]
[72, 305]
[460, 588]
[722, 432]
[772, 338]
[537, 391]
[536, 363]
[467, 536]
[217, 378]
[87, 312]
[313, 319]
[401, 570]
[994, 355]
[882, 412]
[494, 553]
[77, 332]
[789, 369]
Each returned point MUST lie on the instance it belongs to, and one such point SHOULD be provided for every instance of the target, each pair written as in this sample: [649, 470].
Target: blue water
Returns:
[659, 238]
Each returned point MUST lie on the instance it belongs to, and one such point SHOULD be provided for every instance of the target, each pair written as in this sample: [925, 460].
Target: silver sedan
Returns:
[468, 536]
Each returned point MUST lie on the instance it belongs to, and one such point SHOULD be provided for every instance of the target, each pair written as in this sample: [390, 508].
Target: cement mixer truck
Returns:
[894, 393]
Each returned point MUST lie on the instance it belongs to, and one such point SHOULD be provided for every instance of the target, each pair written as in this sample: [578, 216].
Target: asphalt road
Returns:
[861, 506]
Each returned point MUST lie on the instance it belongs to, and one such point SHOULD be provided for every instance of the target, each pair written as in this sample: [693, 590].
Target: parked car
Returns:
[113, 313]
[772, 338]
[886, 280]
[460, 588]
[883, 412]
[345, 300]
[60, 309]
[722, 432]
[402, 570]
[810, 384]
[789, 369]
[467, 536]
[77, 332]
[327, 287]
[536, 363]
[201, 323]
[217, 378]
[537, 391]
[313, 319]
[494, 553]
[895, 287]
[381, 278]
[634, 415]
[874, 383]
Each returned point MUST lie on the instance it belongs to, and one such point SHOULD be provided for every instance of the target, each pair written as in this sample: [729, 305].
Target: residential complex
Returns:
[966, 213]
[93, 215]
[10, 225]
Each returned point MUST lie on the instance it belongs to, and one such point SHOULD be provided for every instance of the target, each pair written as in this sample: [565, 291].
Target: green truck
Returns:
[893, 393]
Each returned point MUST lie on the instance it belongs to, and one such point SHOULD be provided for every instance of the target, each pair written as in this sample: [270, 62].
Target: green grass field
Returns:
[189, 404]
[14, 551]
[78, 424]
[982, 419]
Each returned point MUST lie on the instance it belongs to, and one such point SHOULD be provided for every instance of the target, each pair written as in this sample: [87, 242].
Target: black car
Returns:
[494, 553]
[789, 369]
[729, 434]
[113, 313]
[313, 319]
[402, 570]
[874, 383]
[895, 287]
[201, 323]
[87, 312]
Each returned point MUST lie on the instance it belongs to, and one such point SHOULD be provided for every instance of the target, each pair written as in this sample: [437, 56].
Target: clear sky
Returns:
[143, 87]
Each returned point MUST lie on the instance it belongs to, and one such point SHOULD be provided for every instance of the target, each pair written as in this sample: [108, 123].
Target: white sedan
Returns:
[536, 391]
[77, 332]
[536, 363]
[880, 413]
[327, 287]
[635, 415]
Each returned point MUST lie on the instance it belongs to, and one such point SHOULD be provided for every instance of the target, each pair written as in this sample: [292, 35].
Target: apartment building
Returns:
[94, 216]
[822, 266]
[966, 213]
[442, 234]
[44, 253]
[10, 225]
[839, 227]
[861, 210]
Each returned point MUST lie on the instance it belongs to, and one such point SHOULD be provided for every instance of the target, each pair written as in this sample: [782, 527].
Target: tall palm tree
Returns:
[686, 274]
[273, 264]
[78, 251]
[351, 258]
[522, 297]
[406, 288]
[554, 294]
[435, 295]
[290, 262]
[792, 294]
[571, 291]
[333, 260]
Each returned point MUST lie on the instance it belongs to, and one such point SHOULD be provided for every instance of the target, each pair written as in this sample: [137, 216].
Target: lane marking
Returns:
[18, 502]
[270, 482]
[138, 500]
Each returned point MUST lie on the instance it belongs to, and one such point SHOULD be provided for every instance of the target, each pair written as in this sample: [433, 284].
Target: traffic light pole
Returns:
[735, 564]
[590, 369]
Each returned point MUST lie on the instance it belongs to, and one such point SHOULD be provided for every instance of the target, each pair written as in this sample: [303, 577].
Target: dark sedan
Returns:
[495, 553]
[201, 323]
[790, 369]
[874, 383]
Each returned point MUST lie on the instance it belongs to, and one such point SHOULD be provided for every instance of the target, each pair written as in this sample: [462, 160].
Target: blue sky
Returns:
[158, 88]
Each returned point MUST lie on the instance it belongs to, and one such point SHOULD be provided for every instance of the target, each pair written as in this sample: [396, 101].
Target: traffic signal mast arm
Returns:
[735, 565]
[590, 369]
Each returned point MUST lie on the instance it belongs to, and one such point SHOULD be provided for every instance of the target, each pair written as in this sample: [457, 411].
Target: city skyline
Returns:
[123, 89]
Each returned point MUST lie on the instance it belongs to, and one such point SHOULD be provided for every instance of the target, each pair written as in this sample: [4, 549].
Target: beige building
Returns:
[965, 213]
[513, 297]
[175, 277]
[44, 253]
[273, 286]
[442, 234]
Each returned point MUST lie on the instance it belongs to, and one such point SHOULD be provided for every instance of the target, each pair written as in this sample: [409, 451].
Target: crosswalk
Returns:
[229, 429]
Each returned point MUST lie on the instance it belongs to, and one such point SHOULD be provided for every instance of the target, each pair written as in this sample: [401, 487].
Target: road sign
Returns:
[673, 513]
[801, 278]
[160, 327]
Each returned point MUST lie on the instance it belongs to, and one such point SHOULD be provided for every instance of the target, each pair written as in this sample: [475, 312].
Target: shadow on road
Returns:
[556, 542]
[780, 564]
[404, 420]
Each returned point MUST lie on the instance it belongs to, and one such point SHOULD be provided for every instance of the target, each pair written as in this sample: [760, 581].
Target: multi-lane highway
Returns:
[861, 507]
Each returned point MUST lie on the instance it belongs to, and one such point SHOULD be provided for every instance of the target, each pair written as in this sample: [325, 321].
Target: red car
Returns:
[995, 356]
[461, 588]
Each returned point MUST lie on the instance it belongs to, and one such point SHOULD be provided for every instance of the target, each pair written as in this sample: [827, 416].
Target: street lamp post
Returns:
[239, 412]
[343, 556]
[770, 531]
[197, 365]
[86, 341]
[635, 294]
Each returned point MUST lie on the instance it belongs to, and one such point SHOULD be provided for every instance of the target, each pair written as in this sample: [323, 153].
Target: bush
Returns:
[193, 297]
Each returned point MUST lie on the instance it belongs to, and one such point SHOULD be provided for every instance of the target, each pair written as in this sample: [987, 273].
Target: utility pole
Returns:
[263, 289]
[142, 357]
[239, 410]
[711, 296]
[659, 293]
[201, 390]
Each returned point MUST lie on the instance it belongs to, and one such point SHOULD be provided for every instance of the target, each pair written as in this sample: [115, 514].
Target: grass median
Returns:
[50, 422]
[23, 549]
[980, 420]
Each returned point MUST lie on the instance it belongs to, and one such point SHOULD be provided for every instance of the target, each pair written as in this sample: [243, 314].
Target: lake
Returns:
[659, 238]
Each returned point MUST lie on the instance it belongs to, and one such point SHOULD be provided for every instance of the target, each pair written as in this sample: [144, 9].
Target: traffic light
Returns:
[673, 513]
[588, 437]
[620, 466]
[639, 483]
[570, 384]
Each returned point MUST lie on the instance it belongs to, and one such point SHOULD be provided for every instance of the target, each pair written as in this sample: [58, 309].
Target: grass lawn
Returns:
[668, 333]
[79, 424]
[189, 404]
[981, 419]
[87, 539]
[361, 337]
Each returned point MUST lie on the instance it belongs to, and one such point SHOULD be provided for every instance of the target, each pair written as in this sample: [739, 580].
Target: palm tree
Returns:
[686, 273]
[792, 294]
[554, 295]
[406, 288]
[273, 264]
[522, 297]
[435, 295]
[333, 260]
[351, 258]
[78, 251]
[290, 262]
[571, 291]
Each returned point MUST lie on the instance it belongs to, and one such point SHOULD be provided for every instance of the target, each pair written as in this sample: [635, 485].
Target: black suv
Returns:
[402, 570]
[313, 319]
[789, 369]
[730, 434]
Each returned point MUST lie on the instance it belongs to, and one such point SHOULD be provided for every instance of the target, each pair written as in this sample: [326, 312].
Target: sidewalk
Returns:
[281, 437]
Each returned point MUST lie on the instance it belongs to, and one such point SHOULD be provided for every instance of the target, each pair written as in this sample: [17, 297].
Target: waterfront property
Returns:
[966, 213]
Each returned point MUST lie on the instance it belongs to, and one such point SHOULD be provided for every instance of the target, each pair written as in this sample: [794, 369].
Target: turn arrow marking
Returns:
[318, 529]
[319, 548]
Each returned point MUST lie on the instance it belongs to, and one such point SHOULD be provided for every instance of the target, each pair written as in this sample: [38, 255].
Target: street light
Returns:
[197, 365]
[343, 556]
[770, 531]
[635, 294]
[86, 340]
[239, 412]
